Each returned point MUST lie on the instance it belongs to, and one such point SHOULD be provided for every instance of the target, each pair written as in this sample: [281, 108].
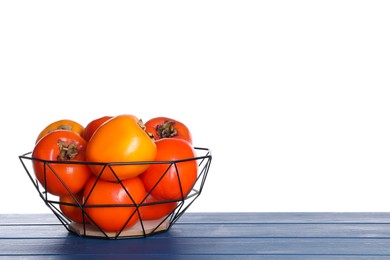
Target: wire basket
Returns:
[87, 227]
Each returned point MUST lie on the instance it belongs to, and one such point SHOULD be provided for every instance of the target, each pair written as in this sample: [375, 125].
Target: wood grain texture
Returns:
[210, 236]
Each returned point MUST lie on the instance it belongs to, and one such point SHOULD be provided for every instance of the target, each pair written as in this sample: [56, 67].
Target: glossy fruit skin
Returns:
[71, 209]
[63, 124]
[74, 175]
[169, 187]
[113, 218]
[175, 129]
[120, 139]
[157, 208]
[91, 127]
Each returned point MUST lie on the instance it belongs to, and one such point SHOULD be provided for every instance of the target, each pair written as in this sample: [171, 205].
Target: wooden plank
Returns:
[198, 246]
[227, 230]
[238, 217]
[282, 230]
[204, 256]
[286, 217]
[32, 231]
[28, 219]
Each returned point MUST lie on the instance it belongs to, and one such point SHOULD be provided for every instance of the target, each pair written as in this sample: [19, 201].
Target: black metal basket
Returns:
[142, 228]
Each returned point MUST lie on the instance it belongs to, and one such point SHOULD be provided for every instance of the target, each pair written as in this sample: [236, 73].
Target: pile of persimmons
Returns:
[116, 169]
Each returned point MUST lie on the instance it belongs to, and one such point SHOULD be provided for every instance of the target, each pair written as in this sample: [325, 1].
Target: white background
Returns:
[292, 97]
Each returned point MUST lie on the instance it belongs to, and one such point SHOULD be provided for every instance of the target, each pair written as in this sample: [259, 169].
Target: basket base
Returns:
[150, 226]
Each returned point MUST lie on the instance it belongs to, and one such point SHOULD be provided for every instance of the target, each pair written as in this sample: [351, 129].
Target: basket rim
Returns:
[28, 156]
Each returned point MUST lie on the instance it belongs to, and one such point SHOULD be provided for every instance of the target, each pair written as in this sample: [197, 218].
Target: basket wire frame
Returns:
[153, 227]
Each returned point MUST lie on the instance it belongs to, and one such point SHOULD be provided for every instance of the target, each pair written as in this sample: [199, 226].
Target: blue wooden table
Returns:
[210, 236]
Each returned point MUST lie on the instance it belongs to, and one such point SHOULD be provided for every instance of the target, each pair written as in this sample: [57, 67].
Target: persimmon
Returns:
[120, 140]
[59, 162]
[153, 208]
[91, 127]
[63, 124]
[112, 206]
[165, 127]
[175, 171]
[71, 208]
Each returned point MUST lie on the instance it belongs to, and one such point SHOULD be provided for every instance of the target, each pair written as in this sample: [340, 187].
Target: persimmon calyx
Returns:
[143, 127]
[67, 152]
[167, 129]
[64, 127]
